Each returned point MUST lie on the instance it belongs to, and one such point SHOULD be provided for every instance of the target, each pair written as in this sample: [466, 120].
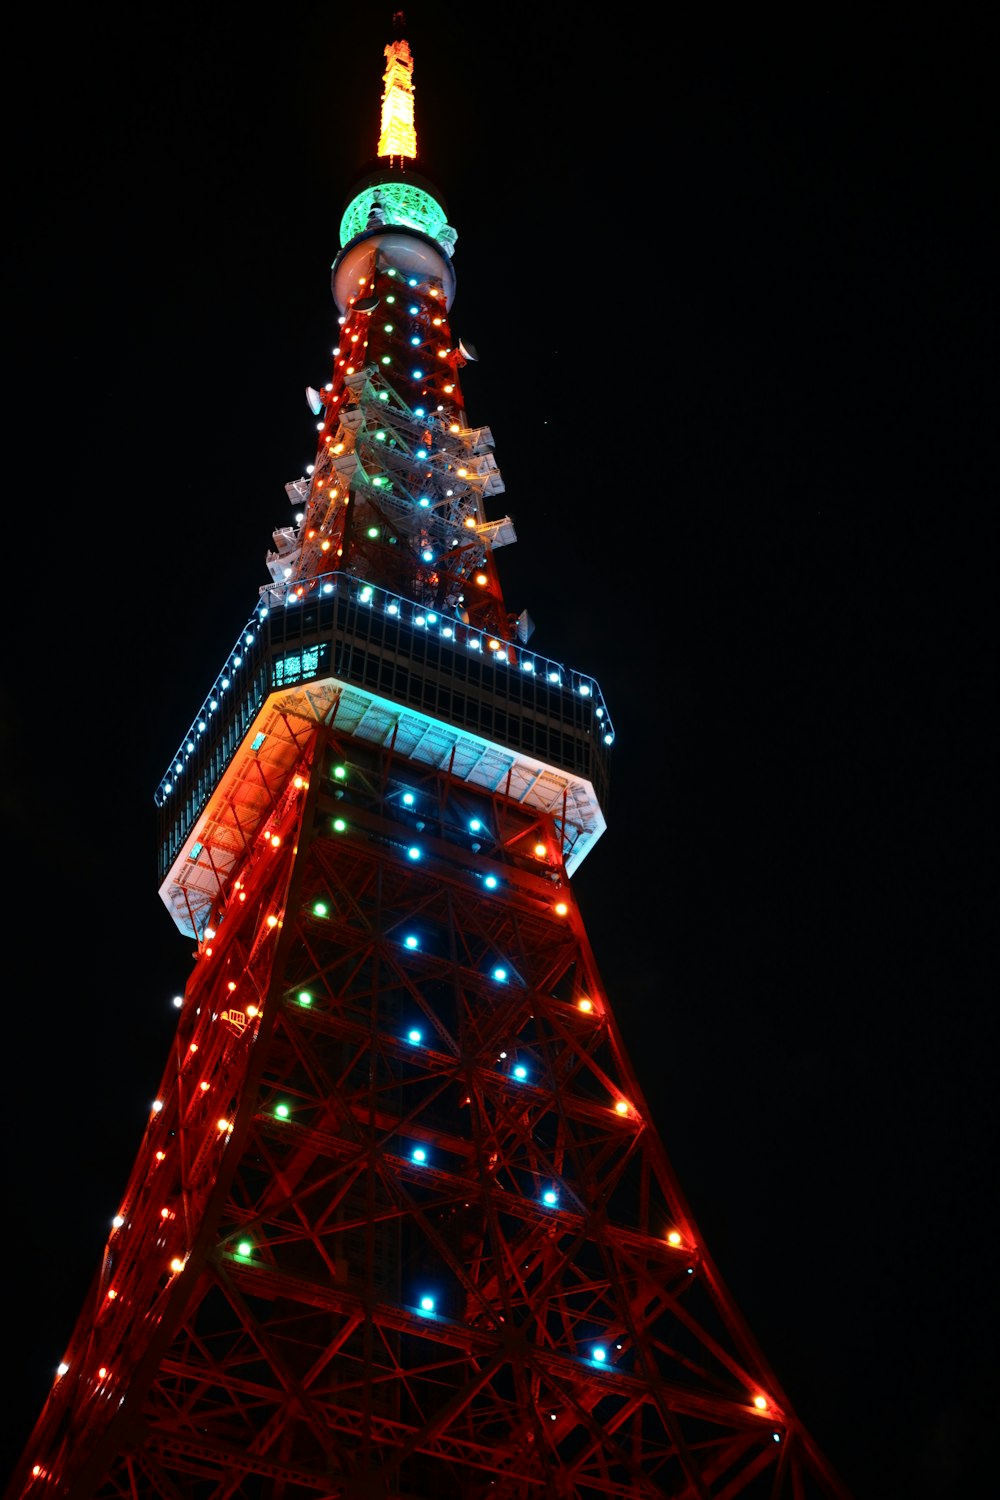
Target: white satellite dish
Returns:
[314, 399]
[469, 350]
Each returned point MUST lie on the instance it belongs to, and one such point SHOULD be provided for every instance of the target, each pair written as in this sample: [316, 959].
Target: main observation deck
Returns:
[394, 673]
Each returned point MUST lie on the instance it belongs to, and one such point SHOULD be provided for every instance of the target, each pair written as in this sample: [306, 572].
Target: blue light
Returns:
[520, 1072]
[408, 799]
[550, 1197]
[424, 501]
[527, 666]
[413, 852]
[419, 375]
[427, 1304]
[427, 555]
[421, 452]
[415, 339]
[474, 825]
[490, 882]
[600, 1354]
[413, 311]
[411, 941]
[499, 974]
[420, 1154]
[414, 1035]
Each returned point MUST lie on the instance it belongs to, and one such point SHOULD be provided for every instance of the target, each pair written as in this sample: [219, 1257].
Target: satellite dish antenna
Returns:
[525, 627]
[469, 350]
[366, 304]
[314, 399]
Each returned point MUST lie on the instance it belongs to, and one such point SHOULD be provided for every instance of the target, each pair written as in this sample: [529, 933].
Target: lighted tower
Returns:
[400, 1223]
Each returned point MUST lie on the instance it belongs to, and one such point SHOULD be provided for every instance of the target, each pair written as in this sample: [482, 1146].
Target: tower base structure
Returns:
[401, 1223]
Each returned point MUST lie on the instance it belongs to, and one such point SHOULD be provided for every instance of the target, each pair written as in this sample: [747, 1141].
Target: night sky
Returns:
[736, 325]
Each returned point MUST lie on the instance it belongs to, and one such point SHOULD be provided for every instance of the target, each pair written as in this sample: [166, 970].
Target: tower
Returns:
[400, 1223]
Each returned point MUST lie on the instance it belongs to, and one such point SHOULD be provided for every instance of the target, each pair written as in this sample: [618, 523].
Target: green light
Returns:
[403, 204]
[386, 360]
[281, 1110]
[244, 1248]
[320, 909]
[380, 436]
[339, 825]
[305, 998]
[391, 297]
[373, 531]
[388, 328]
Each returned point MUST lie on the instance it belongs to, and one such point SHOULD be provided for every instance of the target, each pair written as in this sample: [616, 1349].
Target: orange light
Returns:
[561, 908]
[760, 1402]
[586, 1005]
[161, 1155]
[203, 1086]
[102, 1372]
[480, 579]
[176, 1264]
[541, 851]
[673, 1238]
[272, 921]
[231, 985]
[621, 1108]
[112, 1294]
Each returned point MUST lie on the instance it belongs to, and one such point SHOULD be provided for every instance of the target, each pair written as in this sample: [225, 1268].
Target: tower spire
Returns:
[397, 136]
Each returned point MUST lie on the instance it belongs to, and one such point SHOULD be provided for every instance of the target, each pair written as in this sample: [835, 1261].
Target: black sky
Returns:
[736, 320]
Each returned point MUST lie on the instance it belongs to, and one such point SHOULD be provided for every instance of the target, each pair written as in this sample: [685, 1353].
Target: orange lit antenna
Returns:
[398, 136]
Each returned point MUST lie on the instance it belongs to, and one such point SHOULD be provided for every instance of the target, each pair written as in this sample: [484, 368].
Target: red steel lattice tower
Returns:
[401, 1223]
